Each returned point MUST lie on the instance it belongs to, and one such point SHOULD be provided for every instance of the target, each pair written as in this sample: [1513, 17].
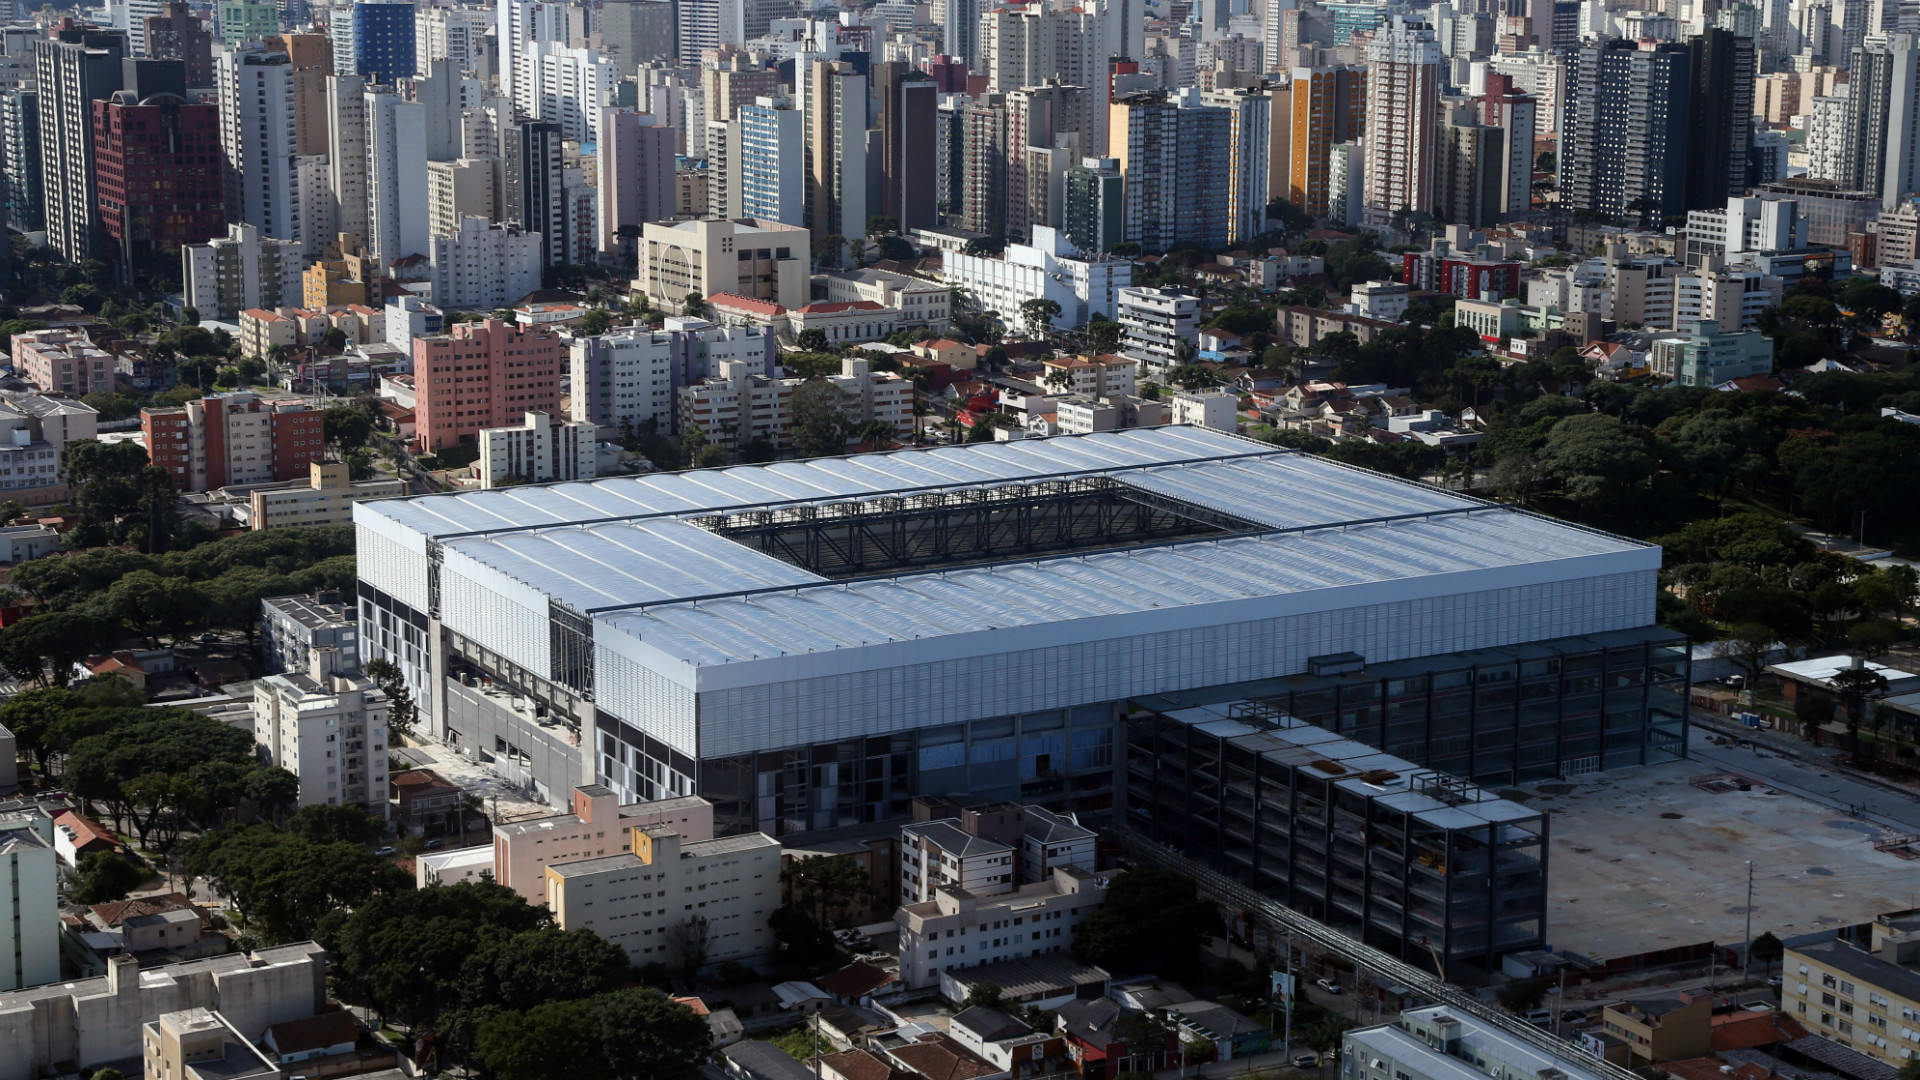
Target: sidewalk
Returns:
[1267, 1063]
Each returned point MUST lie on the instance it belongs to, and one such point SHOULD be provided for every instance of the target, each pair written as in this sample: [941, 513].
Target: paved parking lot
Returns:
[1644, 859]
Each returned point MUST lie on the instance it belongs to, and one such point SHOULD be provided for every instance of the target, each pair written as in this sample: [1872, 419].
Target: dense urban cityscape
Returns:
[969, 540]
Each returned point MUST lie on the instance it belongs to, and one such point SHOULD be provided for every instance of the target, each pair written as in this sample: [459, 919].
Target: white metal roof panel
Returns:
[701, 490]
[624, 563]
[1038, 592]
[1294, 490]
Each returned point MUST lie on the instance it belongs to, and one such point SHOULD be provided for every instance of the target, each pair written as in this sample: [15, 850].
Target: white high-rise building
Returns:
[709, 24]
[772, 174]
[397, 218]
[484, 266]
[520, 23]
[258, 135]
[1403, 103]
[625, 379]
[347, 152]
[723, 169]
[563, 85]
[1249, 131]
[456, 35]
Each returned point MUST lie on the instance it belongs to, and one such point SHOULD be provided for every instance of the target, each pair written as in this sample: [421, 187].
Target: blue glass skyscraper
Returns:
[383, 41]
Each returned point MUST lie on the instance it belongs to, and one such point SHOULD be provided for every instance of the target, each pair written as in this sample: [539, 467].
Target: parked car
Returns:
[387, 852]
[435, 845]
[1573, 1016]
[1306, 1061]
[1329, 985]
[1540, 1017]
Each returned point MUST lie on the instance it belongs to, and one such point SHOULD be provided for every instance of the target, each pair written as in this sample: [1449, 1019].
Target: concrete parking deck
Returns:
[1646, 859]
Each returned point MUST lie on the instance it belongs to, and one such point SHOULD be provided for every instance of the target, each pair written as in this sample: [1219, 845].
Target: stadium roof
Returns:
[1276, 523]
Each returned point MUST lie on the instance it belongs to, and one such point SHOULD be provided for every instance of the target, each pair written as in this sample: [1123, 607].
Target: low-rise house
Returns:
[1227, 1032]
[857, 1065]
[75, 837]
[754, 1059]
[844, 322]
[426, 802]
[938, 1056]
[1008, 1044]
[1091, 1028]
[326, 1034]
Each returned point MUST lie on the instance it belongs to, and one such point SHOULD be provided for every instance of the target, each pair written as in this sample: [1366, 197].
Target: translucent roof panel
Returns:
[596, 566]
[701, 490]
[931, 604]
[1293, 490]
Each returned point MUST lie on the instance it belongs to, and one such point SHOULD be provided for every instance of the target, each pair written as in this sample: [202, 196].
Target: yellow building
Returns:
[1864, 999]
[326, 499]
[1659, 1029]
[329, 284]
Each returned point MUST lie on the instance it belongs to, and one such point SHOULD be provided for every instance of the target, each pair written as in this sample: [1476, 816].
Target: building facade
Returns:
[329, 729]
[293, 627]
[538, 451]
[228, 275]
[481, 375]
[717, 895]
[484, 266]
[765, 260]
[237, 438]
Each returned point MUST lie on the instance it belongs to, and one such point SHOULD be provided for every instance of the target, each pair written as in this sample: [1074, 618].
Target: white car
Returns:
[1328, 985]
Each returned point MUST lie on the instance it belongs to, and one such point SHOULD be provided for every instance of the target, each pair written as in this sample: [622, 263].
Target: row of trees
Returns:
[92, 599]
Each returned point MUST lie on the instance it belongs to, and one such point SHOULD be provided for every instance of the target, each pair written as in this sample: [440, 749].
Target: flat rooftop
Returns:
[1643, 859]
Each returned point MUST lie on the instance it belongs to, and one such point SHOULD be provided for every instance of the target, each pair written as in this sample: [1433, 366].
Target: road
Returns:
[1811, 780]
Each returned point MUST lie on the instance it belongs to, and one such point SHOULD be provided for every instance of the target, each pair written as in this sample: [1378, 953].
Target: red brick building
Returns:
[232, 439]
[160, 174]
[482, 375]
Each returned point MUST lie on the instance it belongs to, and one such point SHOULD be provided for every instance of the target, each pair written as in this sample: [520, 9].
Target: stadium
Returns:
[810, 644]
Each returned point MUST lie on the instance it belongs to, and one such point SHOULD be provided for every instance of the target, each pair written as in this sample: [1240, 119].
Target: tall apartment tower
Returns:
[636, 178]
[20, 159]
[1329, 107]
[1469, 188]
[1515, 113]
[837, 197]
[260, 136]
[1173, 152]
[772, 174]
[1624, 147]
[73, 68]
[908, 103]
[312, 59]
[397, 218]
[347, 152]
[1720, 128]
[1403, 112]
[383, 40]
[159, 167]
[983, 171]
[961, 28]
[175, 34]
[521, 23]
[1045, 133]
[1249, 129]
[533, 198]
[1096, 208]
[1882, 131]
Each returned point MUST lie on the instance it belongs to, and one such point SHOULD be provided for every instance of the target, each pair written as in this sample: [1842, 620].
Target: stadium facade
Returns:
[810, 644]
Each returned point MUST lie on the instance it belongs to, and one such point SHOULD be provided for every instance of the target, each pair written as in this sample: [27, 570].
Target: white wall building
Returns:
[940, 854]
[328, 729]
[956, 930]
[626, 378]
[565, 86]
[1050, 268]
[484, 266]
[1386, 300]
[914, 300]
[397, 218]
[241, 270]
[257, 133]
[409, 317]
[1154, 323]
[1214, 407]
[29, 905]
[538, 451]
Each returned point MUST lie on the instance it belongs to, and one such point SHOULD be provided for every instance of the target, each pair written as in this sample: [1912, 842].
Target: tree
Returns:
[694, 305]
[1038, 315]
[1153, 920]
[1147, 1034]
[1767, 949]
[688, 942]
[1857, 687]
[819, 428]
[1873, 638]
[103, 877]
[596, 321]
[1596, 458]
[401, 710]
[831, 890]
[985, 994]
[335, 340]
[544, 964]
[813, 340]
[1748, 645]
[646, 1035]
[1103, 334]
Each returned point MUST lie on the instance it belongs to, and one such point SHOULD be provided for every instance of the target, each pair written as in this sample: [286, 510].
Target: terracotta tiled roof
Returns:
[735, 302]
[939, 1057]
[1745, 1030]
[856, 980]
[313, 1033]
